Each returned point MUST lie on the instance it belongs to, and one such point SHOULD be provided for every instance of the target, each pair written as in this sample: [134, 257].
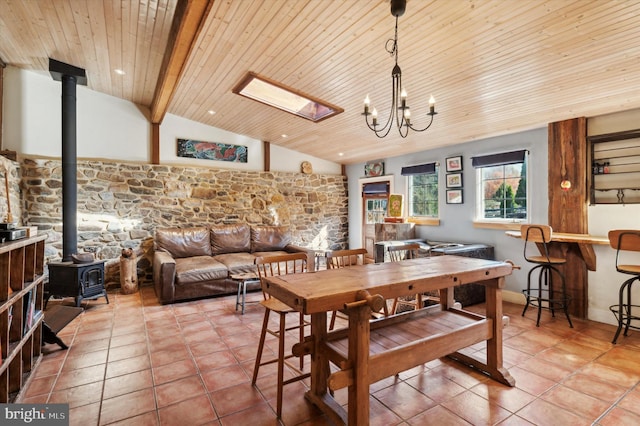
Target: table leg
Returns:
[359, 335]
[244, 294]
[494, 345]
[238, 295]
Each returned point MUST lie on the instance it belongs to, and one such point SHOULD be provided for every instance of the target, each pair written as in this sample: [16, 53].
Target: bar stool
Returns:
[625, 240]
[268, 267]
[544, 295]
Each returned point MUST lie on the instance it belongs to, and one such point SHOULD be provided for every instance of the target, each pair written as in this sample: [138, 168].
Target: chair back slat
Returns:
[283, 264]
[343, 258]
[536, 233]
[625, 239]
[402, 252]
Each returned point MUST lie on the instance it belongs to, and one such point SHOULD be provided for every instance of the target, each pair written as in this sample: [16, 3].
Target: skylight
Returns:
[277, 95]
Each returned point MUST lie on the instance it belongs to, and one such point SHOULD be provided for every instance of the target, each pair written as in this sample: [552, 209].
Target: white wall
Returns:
[107, 127]
[114, 129]
[456, 220]
[282, 159]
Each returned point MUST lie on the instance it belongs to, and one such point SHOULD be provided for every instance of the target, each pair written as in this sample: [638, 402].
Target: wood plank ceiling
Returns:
[494, 66]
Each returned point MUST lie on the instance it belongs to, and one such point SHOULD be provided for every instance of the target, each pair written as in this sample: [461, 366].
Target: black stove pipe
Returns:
[70, 76]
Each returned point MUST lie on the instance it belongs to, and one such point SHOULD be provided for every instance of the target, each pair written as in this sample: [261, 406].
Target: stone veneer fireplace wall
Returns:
[121, 204]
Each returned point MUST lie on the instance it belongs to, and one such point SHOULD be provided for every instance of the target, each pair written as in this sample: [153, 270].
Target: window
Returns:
[423, 190]
[502, 186]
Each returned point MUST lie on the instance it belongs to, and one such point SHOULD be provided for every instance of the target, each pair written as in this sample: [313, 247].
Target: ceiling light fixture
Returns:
[400, 112]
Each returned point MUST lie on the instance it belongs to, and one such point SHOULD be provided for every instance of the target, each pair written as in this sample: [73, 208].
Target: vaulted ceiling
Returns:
[494, 66]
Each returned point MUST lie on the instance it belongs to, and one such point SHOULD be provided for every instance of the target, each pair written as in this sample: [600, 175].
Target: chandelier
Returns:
[400, 112]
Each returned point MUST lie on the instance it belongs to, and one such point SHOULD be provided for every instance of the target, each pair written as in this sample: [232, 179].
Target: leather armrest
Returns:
[164, 274]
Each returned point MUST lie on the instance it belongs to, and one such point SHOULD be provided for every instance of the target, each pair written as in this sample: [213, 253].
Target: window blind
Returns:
[500, 159]
[421, 169]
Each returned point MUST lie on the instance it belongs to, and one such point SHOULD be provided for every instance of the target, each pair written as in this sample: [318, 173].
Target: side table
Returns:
[243, 280]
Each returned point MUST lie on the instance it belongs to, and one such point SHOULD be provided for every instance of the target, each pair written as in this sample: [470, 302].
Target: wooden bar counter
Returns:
[368, 351]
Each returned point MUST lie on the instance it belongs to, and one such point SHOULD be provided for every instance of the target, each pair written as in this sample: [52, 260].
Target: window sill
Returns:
[508, 226]
[429, 221]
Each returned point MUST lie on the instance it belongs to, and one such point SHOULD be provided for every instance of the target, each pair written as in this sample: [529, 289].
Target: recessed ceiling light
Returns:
[285, 136]
[340, 154]
[211, 112]
[279, 96]
[119, 71]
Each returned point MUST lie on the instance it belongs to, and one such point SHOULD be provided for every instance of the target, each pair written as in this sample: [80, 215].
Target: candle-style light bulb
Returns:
[366, 105]
[374, 116]
[432, 104]
[403, 98]
[407, 116]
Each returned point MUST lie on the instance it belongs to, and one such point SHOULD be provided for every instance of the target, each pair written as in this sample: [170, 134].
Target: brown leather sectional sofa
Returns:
[198, 262]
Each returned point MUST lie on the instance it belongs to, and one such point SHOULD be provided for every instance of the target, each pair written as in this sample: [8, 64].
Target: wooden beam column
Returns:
[568, 208]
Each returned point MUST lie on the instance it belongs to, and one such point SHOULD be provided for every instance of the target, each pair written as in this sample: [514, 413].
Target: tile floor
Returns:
[140, 363]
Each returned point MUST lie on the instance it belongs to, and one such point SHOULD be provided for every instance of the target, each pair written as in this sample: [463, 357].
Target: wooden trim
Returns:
[266, 148]
[428, 221]
[155, 143]
[512, 226]
[187, 23]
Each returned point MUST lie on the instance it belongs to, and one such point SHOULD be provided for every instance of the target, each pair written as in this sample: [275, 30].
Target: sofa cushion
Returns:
[184, 242]
[230, 238]
[198, 269]
[269, 238]
[237, 263]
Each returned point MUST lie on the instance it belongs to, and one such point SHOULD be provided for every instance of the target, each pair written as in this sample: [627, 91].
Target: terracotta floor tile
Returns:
[193, 411]
[437, 415]
[199, 356]
[126, 366]
[436, 386]
[40, 386]
[86, 415]
[221, 378]
[128, 405]
[81, 376]
[603, 390]
[78, 396]
[529, 382]
[127, 383]
[130, 350]
[541, 412]
[476, 409]
[215, 360]
[620, 417]
[404, 400]
[260, 414]
[235, 398]
[179, 390]
[174, 371]
[579, 403]
[510, 398]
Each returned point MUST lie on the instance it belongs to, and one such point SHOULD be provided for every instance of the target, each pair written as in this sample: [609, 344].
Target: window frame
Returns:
[420, 218]
[479, 214]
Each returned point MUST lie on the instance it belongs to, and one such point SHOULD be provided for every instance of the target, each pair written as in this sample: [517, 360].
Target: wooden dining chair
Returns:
[337, 259]
[398, 253]
[546, 294]
[269, 267]
[625, 311]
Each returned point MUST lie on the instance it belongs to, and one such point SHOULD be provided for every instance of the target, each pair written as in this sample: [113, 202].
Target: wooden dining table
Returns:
[369, 350]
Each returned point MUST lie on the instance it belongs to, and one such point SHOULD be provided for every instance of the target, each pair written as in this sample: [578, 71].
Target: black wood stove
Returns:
[79, 280]
[82, 280]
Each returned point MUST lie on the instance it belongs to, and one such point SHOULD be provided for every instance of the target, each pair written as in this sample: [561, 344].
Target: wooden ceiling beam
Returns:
[187, 23]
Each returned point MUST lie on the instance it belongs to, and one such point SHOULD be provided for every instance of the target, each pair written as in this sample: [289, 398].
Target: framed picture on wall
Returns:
[374, 169]
[454, 180]
[454, 196]
[454, 164]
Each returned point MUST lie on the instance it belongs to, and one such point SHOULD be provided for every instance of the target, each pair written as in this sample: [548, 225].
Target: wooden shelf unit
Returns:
[614, 176]
[21, 290]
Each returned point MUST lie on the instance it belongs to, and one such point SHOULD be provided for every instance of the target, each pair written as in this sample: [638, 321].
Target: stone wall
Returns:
[121, 204]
